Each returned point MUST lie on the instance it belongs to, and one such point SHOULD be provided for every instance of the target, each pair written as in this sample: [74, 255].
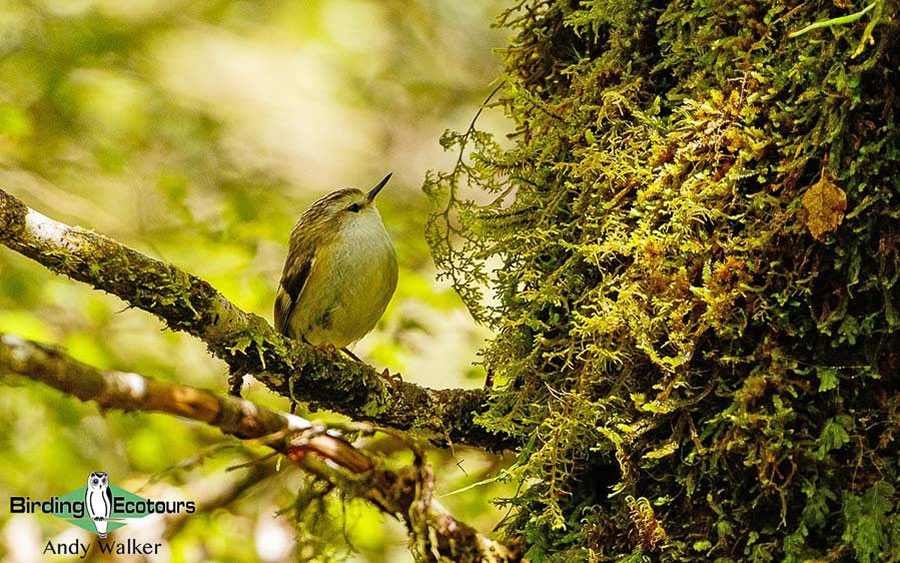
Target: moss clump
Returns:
[698, 336]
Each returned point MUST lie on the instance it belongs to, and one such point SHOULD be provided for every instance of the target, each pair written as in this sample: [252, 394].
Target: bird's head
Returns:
[345, 206]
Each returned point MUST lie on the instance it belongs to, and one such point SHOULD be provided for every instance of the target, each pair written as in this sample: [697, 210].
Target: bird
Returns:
[340, 272]
[98, 499]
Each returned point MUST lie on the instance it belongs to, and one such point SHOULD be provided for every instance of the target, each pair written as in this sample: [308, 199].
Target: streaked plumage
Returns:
[340, 272]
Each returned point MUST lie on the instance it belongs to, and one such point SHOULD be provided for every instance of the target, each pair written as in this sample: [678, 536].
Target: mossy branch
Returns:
[434, 533]
[246, 342]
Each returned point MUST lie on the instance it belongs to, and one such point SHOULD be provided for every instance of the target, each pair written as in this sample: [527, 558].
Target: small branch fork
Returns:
[246, 342]
[435, 535]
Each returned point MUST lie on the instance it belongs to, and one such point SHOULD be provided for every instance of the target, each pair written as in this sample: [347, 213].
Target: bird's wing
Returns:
[297, 267]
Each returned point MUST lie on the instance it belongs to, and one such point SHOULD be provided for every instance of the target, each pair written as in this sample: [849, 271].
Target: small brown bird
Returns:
[340, 272]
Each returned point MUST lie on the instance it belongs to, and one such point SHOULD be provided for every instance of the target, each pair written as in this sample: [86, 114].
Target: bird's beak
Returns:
[374, 191]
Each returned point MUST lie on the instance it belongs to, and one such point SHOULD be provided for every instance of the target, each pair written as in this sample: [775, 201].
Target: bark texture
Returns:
[246, 342]
[435, 535]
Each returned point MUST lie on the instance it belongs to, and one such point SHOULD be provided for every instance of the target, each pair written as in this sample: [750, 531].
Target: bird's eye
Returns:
[354, 208]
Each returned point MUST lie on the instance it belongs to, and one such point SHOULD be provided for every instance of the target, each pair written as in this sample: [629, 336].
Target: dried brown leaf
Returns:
[824, 204]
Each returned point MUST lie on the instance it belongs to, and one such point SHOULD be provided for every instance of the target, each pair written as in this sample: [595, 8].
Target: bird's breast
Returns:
[353, 280]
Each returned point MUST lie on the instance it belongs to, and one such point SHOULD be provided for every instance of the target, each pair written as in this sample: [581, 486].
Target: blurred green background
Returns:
[197, 132]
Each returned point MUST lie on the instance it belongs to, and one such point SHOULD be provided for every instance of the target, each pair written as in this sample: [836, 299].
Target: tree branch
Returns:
[246, 342]
[211, 500]
[405, 494]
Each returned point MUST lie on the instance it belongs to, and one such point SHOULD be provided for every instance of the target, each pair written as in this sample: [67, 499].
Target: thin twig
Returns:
[403, 494]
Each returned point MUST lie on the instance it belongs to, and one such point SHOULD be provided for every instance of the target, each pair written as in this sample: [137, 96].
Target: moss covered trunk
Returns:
[697, 320]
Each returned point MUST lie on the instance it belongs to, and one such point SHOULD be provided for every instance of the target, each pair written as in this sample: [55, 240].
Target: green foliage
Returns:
[692, 249]
[197, 131]
[866, 518]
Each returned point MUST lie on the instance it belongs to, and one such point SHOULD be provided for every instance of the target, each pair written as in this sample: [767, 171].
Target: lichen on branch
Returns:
[246, 342]
[435, 535]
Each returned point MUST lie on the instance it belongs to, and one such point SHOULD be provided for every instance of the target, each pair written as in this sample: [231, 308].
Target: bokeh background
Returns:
[197, 132]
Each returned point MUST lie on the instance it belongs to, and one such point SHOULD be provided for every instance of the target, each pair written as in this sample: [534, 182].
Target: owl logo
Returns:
[98, 500]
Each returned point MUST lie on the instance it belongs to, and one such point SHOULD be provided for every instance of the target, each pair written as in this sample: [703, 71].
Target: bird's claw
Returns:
[235, 382]
[394, 380]
[325, 348]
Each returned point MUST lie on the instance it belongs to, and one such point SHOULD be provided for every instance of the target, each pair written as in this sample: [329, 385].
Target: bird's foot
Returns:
[326, 348]
[394, 380]
[235, 382]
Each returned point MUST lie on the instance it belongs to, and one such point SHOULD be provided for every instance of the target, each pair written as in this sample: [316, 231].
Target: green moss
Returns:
[696, 304]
